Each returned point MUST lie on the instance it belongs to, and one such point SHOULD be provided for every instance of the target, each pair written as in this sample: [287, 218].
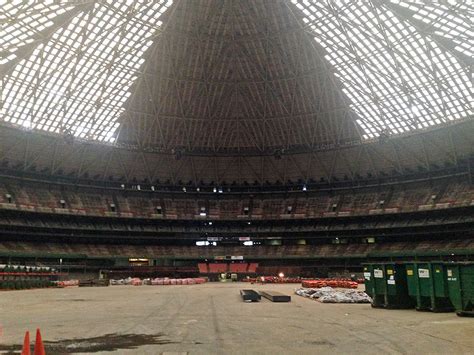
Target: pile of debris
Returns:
[340, 283]
[330, 295]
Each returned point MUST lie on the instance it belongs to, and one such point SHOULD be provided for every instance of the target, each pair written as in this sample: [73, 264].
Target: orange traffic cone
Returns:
[39, 347]
[26, 344]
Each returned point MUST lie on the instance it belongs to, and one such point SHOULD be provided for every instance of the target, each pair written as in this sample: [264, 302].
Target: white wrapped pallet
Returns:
[330, 295]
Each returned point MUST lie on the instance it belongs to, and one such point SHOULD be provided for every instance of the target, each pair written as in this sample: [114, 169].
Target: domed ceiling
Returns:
[234, 90]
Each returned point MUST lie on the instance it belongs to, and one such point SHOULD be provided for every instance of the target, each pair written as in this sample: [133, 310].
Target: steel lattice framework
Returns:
[236, 77]
[397, 74]
[225, 89]
[77, 80]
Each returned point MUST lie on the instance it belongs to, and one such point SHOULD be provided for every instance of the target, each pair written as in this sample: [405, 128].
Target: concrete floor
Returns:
[212, 319]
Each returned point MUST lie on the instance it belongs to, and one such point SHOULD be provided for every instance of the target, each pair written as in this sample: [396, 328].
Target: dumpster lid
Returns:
[459, 263]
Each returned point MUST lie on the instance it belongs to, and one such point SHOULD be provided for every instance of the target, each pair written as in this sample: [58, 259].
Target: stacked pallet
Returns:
[158, 281]
[19, 277]
[273, 280]
[66, 283]
[94, 283]
[187, 281]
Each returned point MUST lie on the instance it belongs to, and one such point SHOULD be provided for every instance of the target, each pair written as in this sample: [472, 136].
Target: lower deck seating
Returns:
[238, 267]
[217, 268]
[282, 251]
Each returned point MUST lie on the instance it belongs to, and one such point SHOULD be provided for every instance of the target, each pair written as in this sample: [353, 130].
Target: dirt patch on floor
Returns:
[108, 342]
[318, 342]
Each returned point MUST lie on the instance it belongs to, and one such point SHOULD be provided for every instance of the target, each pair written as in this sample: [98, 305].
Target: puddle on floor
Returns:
[108, 342]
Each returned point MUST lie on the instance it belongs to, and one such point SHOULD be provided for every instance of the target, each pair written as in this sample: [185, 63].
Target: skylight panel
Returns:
[22, 22]
[79, 80]
[450, 19]
[397, 79]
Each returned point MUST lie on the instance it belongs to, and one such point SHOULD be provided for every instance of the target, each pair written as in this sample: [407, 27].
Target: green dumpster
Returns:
[427, 284]
[379, 288]
[369, 280]
[460, 279]
[389, 286]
